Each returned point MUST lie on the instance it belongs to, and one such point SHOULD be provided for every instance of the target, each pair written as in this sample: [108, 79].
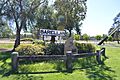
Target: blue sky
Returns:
[100, 15]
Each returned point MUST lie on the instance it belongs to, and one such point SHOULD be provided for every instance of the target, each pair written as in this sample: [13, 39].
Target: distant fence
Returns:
[68, 58]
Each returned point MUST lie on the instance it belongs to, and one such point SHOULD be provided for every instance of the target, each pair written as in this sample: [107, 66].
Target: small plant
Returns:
[77, 37]
[84, 47]
[30, 49]
[54, 49]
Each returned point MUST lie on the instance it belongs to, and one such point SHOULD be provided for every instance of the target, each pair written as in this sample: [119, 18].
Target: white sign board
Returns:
[48, 32]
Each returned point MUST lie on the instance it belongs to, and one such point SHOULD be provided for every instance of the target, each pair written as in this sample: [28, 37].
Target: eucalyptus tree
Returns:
[74, 12]
[5, 31]
[116, 24]
[45, 19]
[21, 12]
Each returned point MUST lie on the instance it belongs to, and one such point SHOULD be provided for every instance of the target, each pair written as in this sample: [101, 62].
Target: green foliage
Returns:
[6, 46]
[98, 37]
[71, 10]
[85, 47]
[110, 38]
[38, 42]
[5, 31]
[84, 68]
[30, 49]
[85, 37]
[77, 37]
[27, 39]
[54, 49]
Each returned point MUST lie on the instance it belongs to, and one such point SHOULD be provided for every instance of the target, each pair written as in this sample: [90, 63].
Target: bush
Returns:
[84, 47]
[30, 49]
[38, 42]
[98, 37]
[27, 39]
[54, 49]
[77, 37]
[85, 37]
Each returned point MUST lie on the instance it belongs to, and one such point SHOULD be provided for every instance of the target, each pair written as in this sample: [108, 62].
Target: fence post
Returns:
[98, 57]
[103, 54]
[14, 61]
[69, 61]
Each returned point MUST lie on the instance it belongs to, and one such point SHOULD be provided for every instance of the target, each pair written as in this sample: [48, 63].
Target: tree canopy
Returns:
[74, 12]
[37, 13]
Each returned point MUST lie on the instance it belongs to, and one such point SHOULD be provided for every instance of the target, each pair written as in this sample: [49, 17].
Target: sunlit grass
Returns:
[84, 69]
[6, 45]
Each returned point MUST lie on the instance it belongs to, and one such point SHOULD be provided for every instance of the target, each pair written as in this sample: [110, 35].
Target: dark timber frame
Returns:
[68, 58]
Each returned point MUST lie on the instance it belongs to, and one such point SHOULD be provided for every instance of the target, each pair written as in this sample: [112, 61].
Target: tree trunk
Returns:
[118, 41]
[38, 33]
[52, 39]
[70, 33]
[17, 41]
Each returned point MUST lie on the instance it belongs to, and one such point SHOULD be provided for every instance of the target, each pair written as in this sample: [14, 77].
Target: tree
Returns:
[98, 37]
[85, 37]
[5, 31]
[77, 28]
[110, 38]
[74, 11]
[22, 12]
[46, 19]
[116, 35]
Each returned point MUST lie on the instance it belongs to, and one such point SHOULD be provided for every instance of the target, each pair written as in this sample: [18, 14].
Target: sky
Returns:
[100, 15]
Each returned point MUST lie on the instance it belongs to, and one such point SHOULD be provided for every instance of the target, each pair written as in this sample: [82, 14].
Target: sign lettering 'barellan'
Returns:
[48, 32]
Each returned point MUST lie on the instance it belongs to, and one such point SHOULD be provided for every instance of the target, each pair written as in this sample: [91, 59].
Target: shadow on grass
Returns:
[100, 72]
[5, 69]
[43, 67]
[92, 69]
[96, 71]
[5, 63]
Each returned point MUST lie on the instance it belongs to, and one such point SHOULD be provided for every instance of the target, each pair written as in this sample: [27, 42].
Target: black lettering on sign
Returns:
[52, 32]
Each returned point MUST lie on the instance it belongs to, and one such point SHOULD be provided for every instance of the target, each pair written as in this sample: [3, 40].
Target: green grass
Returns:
[84, 69]
[6, 46]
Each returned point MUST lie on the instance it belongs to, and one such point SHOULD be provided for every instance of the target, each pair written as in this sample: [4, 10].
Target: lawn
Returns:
[6, 46]
[84, 69]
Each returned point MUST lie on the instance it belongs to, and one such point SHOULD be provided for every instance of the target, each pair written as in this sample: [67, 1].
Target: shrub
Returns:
[54, 49]
[98, 37]
[85, 37]
[84, 47]
[27, 39]
[38, 42]
[30, 49]
[110, 38]
[77, 37]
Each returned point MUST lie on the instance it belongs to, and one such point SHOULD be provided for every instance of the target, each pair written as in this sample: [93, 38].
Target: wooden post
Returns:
[98, 57]
[14, 61]
[103, 54]
[69, 61]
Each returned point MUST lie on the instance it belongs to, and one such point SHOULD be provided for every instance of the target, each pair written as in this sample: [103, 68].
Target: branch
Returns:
[32, 8]
[2, 7]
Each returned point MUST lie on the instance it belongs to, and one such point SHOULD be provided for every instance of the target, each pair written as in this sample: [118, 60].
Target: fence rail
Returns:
[43, 57]
[68, 58]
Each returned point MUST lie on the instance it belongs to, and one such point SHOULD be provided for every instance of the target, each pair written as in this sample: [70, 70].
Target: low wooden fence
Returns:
[68, 58]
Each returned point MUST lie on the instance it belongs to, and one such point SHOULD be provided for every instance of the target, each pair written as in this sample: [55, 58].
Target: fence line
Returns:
[68, 58]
